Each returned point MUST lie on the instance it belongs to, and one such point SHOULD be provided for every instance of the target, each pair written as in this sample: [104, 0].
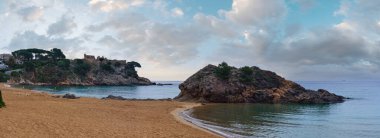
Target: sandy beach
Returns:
[34, 114]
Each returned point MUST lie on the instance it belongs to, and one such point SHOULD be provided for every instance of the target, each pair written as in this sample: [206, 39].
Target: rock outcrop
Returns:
[248, 85]
[84, 72]
[70, 96]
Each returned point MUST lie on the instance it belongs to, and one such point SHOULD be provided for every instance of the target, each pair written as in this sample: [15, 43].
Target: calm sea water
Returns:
[138, 92]
[355, 118]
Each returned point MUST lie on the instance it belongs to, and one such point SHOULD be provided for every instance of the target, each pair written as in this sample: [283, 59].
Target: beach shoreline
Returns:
[39, 114]
[178, 114]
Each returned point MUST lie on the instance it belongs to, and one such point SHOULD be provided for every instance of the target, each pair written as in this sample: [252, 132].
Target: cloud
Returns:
[256, 12]
[119, 21]
[158, 43]
[30, 39]
[64, 26]
[32, 13]
[353, 44]
[216, 26]
[112, 5]
[177, 12]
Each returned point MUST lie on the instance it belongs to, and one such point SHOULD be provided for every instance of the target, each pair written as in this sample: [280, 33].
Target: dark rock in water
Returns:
[162, 84]
[114, 97]
[248, 85]
[70, 96]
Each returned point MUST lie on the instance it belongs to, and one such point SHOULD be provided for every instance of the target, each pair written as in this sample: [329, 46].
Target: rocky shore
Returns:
[225, 84]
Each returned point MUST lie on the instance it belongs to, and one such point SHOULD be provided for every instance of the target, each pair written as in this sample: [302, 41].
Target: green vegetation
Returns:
[223, 71]
[63, 64]
[52, 67]
[49, 73]
[29, 66]
[81, 68]
[56, 53]
[130, 69]
[15, 74]
[3, 77]
[107, 67]
[38, 54]
[2, 104]
[246, 75]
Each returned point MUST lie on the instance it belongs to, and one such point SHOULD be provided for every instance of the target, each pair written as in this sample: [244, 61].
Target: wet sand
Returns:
[33, 114]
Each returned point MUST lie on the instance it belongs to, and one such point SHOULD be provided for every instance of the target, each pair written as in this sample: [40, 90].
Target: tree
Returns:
[130, 68]
[81, 68]
[23, 54]
[223, 71]
[4, 77]
[56, 53]
[246, 75]
[107, 67]
[64, 64]
[29, 66]
[2, 104]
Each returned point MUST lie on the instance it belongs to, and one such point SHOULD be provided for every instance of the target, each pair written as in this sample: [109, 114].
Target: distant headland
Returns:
[227, 84]
[43, 67]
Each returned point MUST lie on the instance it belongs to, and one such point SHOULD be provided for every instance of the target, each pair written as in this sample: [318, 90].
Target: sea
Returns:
[357, 117]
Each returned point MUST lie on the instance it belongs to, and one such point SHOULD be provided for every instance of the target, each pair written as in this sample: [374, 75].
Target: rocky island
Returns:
[226, 84]
[42, 67]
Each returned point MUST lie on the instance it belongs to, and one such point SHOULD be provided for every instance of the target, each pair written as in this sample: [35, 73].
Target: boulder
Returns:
[70, 96]
[248, 85]
[111, 97]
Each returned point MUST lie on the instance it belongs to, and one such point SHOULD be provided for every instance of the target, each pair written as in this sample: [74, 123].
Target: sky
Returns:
[172, 39]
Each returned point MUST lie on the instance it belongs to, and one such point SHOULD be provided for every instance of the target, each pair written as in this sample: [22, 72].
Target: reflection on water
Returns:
[259, 119]
[138, 92]
[359, 117]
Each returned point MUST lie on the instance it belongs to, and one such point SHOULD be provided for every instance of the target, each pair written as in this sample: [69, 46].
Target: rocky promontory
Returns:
[226, 84]
[41, 67]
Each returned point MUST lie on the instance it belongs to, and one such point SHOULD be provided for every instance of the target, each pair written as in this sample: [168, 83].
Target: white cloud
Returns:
[111, 5]
[256, 12]
[177, 12]
[31, 13]
[30, 39]
[345, 26]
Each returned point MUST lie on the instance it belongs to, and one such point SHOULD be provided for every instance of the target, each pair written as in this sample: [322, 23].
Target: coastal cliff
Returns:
[44, 69]
[225, 84]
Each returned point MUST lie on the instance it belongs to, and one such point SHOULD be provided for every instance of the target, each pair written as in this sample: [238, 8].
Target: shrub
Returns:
[64, 64]
[130, 69]
[15, 74]
[4, 77]
[81, 68]
[2, 104]
[246, 74]
[223, 71]
[107, 67]
[29, 67]
[49, 74]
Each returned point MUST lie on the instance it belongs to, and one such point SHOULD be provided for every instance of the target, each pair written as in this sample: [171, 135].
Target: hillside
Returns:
[226, 84]
[41, 67]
